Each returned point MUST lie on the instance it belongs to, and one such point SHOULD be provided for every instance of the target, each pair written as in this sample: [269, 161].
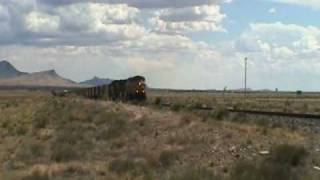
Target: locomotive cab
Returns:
[136, 88]
[140, 90]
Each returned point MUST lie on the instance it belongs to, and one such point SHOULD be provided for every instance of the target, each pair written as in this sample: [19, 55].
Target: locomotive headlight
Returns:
[137, 91]
[139, 83]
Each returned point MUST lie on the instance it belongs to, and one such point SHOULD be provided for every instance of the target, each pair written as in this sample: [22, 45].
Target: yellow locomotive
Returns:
[130, 89]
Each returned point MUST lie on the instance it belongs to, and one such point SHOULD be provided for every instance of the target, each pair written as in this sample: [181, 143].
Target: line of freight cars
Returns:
[131, 89]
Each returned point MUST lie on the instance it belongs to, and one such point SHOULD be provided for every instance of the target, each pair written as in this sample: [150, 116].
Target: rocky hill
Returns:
[7, 70]
[96, 81]
[39, 79]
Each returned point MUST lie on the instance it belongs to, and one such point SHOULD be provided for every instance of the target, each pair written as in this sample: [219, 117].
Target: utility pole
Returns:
[245, 78]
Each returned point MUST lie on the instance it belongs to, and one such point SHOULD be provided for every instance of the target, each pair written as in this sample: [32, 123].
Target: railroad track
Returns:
[256, 112]
[281, 114]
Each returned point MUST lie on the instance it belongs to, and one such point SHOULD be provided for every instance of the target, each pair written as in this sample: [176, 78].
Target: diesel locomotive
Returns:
[131, 89]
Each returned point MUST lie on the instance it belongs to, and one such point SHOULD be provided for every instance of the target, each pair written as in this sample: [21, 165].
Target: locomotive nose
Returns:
[140, 91]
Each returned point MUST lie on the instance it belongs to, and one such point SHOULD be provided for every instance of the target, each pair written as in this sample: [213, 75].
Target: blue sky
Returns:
[240, 13]
[194, 44]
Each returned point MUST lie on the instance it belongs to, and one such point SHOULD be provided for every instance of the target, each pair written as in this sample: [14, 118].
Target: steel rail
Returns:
[257, 112]
[272, 113]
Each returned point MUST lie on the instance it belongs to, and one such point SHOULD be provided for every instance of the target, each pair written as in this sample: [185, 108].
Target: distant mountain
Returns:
[39, 79]
[7, 70]
[96, 81]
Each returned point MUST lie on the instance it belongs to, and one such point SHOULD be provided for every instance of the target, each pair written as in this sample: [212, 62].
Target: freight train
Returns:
[131, 89]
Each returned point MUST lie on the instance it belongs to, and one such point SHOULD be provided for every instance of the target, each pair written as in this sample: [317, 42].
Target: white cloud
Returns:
[99, 22]
[307, 3]
[290, 35]
[4, 19]
[272, 10]
[281, 55]
[75, 24]
[41, 23]
[87, 23]
[141, 4]
[190, 19]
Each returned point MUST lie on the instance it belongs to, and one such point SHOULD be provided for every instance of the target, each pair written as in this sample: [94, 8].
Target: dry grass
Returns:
[44, 137]
[271, 101]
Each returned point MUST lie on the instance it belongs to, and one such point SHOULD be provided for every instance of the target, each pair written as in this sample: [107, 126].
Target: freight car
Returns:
[130, 89]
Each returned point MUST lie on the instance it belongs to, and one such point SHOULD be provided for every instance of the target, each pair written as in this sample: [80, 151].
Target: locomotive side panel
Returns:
[105, 92]
[118, 89]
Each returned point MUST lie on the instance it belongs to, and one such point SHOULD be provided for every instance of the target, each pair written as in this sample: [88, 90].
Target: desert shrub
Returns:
[40, 121]
[237, 105]
[287, 105]
[151, 159]
[263, 122]
[104, 134]
[176, 107]
[36, 175]
[220, 113]
[194, 173]
[205, 116]
[131, 166]
[168, 157]
[73, 170]
[244, 171]
[184, 139]
[265, 171]
[29, 151]
[283, 163]
[158, 101]
[21, 130]
[186, 119]
[305, 107]
[108, 117]
[71, 138]
[79, 113]
[239, 118]
[121, 166]
[115, 128]
[264, 130]
[299, 93]
[64, 153]
[141, 121]
[6, 105]
[288, 155]
[102, 117]
[5, 124]
[276, 124]
[11, 129]
[47, 112]
[196, 105]
[69, 134]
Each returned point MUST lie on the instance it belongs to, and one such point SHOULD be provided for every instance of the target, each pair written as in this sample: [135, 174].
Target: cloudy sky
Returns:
[190, 44]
